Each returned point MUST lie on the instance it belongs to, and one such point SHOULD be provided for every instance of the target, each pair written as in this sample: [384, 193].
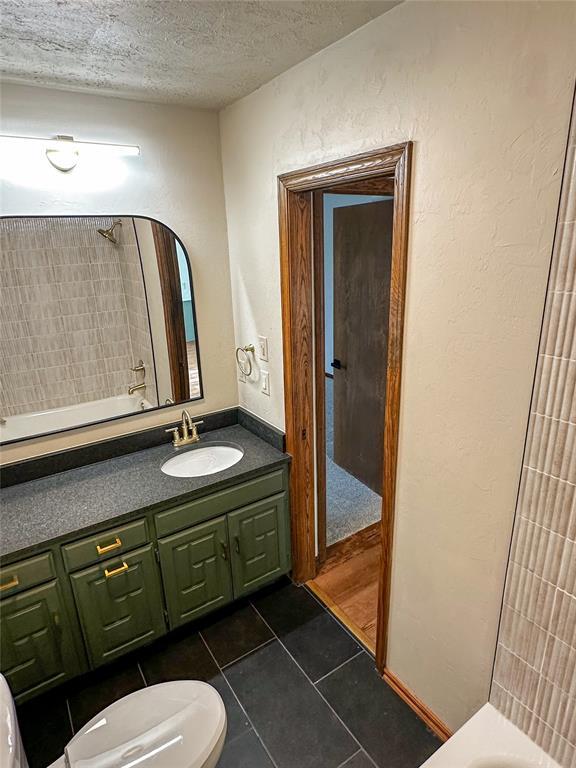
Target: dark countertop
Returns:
[42, 511]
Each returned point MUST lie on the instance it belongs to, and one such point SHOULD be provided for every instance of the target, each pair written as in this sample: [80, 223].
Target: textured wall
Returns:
[484, 90]
[535, 673]
[73, 313]
[177, 179]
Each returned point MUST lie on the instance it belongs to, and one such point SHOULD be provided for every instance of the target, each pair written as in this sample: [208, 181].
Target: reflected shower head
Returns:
[109, 233]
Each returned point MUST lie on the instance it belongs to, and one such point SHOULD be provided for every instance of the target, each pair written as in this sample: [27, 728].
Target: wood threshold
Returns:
[343, 550]
[424, 713]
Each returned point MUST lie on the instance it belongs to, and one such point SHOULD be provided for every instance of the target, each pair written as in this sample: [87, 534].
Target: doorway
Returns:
[383, 173]
[353, 269]
[356, 256]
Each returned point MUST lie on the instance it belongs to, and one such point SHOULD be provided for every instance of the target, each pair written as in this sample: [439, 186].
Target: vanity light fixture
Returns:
[63, 152]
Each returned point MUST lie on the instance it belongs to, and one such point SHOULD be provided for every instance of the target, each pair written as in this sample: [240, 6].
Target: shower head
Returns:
[109, 233]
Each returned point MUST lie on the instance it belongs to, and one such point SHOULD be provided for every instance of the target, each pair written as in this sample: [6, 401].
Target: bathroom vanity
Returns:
[103, 559]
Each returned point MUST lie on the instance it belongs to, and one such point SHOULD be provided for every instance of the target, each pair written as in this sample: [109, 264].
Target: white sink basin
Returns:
[203, 461]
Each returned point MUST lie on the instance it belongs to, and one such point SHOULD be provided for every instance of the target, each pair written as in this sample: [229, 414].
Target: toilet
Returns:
[181, 724]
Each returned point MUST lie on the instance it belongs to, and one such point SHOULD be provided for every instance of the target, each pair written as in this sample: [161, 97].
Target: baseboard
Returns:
[424, 713]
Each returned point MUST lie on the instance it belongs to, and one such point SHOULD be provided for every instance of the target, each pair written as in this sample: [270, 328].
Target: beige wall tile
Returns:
[73, 312]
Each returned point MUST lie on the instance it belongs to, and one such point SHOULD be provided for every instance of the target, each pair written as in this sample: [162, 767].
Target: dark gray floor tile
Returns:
[245, 752]
[235, 634]
[315, 639]
[91, 693]
[360, 760]
[384, 725]
[185, 658]
[297, 727]
[45, 728]
[189, 659]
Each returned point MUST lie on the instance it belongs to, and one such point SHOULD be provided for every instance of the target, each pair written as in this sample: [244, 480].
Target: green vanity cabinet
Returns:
[92, 596]
[120, 604]
[195, 571]
[259, 543]
[37, 643]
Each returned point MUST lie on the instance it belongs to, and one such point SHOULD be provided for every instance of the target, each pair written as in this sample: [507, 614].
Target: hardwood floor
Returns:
[347, 582]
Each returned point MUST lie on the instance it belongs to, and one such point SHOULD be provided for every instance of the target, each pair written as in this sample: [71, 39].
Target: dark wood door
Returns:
[362, 258]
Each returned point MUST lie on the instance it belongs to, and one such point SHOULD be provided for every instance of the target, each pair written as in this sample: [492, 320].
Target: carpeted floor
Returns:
[350, 505]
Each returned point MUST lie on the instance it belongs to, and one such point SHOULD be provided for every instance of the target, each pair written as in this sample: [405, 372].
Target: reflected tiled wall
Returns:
[535, 673]
[64, 320]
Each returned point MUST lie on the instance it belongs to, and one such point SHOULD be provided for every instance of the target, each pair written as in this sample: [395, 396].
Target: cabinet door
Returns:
[37, 648]
[259, 543]
[120, 604]
[196, 571]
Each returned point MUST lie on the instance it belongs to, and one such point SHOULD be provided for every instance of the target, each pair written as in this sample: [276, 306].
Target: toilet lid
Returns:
[171, 725]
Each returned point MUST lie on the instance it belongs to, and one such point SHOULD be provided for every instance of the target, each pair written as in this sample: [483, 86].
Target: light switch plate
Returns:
[263, 348]
[266, 383]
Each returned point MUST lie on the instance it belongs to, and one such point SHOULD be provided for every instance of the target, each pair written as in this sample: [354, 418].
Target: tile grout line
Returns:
[264, 747]
[337, 620]
[248, 653]
[142, 674]
[317, 690]
[338, 667]
[70, 716]
[345, 763]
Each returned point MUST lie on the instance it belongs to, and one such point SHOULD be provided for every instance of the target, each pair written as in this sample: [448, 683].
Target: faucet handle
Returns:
[175, 432]
[194, 426]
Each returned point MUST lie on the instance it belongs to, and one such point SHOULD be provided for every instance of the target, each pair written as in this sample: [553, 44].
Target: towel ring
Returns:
[244, 363]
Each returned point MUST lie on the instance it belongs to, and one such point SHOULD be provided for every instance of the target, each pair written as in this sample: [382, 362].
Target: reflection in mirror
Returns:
[97, 321]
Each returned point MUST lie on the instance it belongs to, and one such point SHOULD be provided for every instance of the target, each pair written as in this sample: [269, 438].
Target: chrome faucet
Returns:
[134, 387]
[189, 431]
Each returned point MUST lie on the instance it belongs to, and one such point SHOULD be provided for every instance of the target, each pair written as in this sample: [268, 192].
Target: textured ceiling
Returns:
[205, 54]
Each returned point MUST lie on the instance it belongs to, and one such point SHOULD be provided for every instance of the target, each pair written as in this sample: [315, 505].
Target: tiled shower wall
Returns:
[534, 681]
[66, 315]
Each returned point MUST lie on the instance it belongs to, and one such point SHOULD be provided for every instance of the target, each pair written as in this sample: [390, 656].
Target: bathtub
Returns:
[489, 740]
[42, 422]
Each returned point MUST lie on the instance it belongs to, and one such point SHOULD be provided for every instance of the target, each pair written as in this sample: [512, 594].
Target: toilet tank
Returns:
[11, 748]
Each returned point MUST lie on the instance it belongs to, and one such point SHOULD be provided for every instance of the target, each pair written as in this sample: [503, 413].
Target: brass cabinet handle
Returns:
[115, 544]
[224, 550]
[116, 571]
[9, 584]
[237, 544]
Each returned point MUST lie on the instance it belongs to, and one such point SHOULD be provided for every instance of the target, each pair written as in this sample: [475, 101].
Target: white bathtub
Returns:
[41, 422]
[489, 740]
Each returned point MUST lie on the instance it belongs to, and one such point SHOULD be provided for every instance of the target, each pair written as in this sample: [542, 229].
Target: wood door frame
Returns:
[169, 275]
[297, 264]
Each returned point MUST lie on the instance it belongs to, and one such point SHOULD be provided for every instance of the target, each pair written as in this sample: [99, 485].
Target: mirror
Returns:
[97, 321]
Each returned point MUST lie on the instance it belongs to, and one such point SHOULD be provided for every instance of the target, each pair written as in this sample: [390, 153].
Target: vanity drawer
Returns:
[186, 515]
[25, 574]
[106, 544]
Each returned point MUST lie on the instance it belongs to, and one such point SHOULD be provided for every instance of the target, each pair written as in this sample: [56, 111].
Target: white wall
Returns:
[484, 91]
[177, 179]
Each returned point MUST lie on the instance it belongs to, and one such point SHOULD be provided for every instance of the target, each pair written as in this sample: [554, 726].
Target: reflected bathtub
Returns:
[39, 423]
[489, 740]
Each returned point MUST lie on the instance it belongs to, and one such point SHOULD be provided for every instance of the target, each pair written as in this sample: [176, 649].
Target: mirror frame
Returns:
[194, 317]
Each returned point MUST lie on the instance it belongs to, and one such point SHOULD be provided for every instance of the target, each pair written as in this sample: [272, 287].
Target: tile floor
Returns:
[298, 689]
